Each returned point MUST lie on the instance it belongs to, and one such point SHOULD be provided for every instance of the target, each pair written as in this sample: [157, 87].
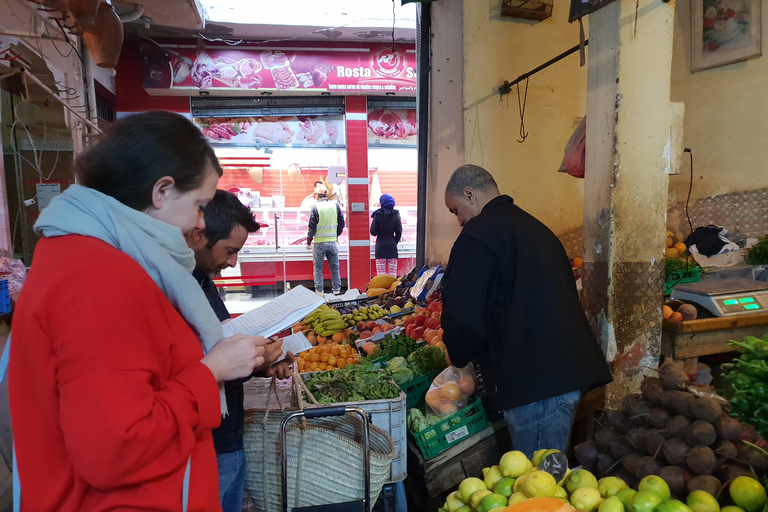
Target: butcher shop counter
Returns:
[264, 266]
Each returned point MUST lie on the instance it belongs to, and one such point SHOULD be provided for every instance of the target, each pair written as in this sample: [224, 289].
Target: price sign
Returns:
[457, 434]
[556, 464]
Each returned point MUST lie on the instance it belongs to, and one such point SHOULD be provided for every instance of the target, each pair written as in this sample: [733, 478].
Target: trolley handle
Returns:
[319, 412]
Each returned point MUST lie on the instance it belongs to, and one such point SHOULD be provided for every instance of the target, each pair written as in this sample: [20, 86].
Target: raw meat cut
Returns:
[204, 72]
[393, 124]
[274, 133]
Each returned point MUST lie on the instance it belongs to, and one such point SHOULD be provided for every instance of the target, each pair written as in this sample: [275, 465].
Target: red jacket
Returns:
[107, 394]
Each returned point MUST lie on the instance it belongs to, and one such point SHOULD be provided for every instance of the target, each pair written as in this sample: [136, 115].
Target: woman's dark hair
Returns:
[223, 213]
[138, 150]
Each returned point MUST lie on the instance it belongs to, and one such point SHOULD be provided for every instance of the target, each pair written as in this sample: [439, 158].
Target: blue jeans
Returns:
[231, 480]
[545, 424]
[329, 251]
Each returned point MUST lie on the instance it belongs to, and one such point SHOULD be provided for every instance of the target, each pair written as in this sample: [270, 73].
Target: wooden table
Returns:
[708, 336]
[446, 471]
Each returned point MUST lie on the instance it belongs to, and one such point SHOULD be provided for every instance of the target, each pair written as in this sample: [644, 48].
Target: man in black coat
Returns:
[227, 225]
[510, 303]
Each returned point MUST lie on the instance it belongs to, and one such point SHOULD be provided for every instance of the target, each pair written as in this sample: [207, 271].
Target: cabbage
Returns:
[396, 363]
[402, 375]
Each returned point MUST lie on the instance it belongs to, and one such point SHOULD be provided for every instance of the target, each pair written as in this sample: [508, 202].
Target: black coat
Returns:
[228, 437]
[510, 302]
[387, 229]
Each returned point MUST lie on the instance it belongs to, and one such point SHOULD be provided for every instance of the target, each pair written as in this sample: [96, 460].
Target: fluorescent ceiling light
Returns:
[312, 13]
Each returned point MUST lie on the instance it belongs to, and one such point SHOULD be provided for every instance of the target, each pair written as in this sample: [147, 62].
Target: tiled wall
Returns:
[745, 214]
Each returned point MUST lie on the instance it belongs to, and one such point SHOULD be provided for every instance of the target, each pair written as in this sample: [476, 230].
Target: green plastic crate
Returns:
[416, 389]
[452, 430]
[681, 277]
[381, 362]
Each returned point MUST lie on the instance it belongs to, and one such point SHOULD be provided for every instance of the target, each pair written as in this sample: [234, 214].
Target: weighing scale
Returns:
[725, 297]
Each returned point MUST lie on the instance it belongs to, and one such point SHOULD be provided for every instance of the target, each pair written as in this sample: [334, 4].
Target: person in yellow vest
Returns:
[326, 223]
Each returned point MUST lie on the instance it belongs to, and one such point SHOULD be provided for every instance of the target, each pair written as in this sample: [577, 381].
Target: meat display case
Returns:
[277, 252]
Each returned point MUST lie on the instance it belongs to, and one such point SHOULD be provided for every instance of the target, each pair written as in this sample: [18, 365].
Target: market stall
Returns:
[383, 353]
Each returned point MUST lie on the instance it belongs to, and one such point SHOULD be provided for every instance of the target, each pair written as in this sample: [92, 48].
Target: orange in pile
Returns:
[329, 356]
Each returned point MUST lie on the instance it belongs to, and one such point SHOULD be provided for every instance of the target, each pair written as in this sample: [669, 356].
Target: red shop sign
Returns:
[184, 69]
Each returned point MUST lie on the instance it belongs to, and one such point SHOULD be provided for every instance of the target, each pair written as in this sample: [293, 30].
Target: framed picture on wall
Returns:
[724, 32]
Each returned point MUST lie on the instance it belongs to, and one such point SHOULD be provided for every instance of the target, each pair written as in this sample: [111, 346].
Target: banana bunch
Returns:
[325, 321]
[372, 312]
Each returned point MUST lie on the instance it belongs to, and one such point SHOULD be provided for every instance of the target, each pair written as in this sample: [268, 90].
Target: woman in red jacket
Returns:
[116, 353]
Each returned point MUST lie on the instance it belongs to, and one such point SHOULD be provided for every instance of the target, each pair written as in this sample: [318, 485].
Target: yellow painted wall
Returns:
[726, 118]
[496, 49]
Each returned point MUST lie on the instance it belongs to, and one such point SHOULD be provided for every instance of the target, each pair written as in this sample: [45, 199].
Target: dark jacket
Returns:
[314, 218]
[510, 302]
[229, 436]
[388, 229]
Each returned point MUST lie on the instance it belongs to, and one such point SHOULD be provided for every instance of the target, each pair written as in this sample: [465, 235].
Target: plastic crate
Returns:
[5, 297]
[681, 277]
[450, 431]
[417, 388]
[389, 416]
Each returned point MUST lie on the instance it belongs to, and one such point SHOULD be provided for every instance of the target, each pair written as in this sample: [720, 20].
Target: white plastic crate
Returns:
[389, 416]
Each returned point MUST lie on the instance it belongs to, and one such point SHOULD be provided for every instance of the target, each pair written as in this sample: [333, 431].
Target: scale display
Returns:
[726, 297]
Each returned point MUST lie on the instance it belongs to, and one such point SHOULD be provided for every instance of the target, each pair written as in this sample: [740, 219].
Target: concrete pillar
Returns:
[629, 119]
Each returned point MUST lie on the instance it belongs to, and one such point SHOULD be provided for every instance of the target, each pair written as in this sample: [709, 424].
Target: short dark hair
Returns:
[223, 213]
[135, 152]
[470, 176]
[317, 183]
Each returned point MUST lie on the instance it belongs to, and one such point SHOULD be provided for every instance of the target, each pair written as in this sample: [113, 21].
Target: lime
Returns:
[656, 485]
[747, 493]
[644, 501]
[610, 485]
[731, 508]
[514, 464]
[561, 493]
[477, 497]
[467, 487]
[702, 501]
[586, 499]
[673, 506]
[504, 486]
[540, 484]
[626, 495]
[517, 498]
[452, 502]
[491, 502]
[464, 508]
[491, 476]
[580, 478]
[520, 482]
[612, 504]
[538, 456]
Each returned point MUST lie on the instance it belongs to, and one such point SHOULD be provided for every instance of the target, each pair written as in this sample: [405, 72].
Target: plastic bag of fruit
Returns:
[451, 390]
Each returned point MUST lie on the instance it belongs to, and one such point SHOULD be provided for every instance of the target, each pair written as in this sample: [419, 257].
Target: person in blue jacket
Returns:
[388, 229]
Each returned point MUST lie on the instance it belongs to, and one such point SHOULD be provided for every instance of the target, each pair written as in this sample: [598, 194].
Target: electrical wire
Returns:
[394, 21]
[521, 110]
[690, 224]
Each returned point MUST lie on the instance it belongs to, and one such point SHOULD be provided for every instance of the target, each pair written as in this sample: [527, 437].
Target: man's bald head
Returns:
[469, 189]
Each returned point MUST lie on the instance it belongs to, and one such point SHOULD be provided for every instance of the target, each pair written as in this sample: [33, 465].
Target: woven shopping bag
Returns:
[325, 457]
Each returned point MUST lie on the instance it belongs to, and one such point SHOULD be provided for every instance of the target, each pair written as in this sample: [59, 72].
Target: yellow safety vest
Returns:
[328, 222]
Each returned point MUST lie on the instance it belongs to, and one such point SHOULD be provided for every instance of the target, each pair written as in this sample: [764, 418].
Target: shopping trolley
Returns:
[363, 505]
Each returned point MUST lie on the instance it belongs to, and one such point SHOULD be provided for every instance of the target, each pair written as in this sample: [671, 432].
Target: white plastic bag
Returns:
[450, 391]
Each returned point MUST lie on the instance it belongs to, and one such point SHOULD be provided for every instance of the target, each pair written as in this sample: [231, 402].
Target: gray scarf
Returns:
[157, 246]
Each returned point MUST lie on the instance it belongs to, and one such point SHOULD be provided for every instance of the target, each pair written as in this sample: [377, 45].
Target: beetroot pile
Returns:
[689, 441]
